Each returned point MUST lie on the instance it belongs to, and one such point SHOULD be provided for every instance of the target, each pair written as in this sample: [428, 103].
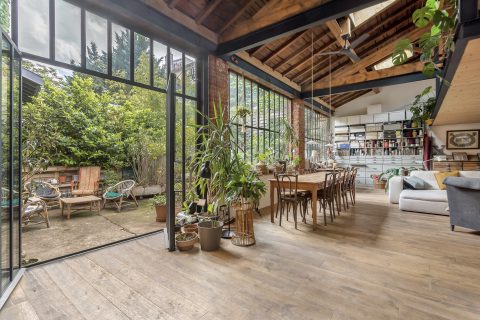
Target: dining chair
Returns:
[352, 185]
[338, 190]
[326, 196]
[289, 195]
[345, 187]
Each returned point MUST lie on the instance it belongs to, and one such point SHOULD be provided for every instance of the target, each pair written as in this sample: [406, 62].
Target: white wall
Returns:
[439, 136]
[391, 98]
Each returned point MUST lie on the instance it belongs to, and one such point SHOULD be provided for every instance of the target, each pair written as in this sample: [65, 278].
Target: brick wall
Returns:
[217, 82]
[298, 124]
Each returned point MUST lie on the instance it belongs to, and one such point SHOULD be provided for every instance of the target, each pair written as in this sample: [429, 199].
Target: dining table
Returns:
[312, 182]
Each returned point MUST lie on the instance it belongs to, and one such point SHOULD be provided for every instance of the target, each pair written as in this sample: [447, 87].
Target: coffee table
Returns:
[80, 203]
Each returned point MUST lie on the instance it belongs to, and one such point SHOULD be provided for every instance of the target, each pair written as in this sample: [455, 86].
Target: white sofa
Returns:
[433, 200]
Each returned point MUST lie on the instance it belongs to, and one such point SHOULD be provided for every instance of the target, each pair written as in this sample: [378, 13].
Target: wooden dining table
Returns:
[312, 182]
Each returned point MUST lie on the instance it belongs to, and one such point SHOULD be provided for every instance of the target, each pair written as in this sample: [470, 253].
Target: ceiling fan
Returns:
[347, 50]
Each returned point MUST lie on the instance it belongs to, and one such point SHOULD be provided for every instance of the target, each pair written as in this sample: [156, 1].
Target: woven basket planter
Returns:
[244, 234]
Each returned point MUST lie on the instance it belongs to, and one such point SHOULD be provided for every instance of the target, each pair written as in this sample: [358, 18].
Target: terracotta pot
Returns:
[190, 228]
[379, 185]
[161, 213]
[62, 179]
[185, 245]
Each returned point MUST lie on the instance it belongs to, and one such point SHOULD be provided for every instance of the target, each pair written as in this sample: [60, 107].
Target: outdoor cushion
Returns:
[440, 176]
[461, 182]
[44, 191]
[112, 195]
[425, 195]
[428, 177]
[414, 183]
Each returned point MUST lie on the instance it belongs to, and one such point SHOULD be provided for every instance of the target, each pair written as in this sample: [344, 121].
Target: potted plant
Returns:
[243, 112]
[185, 241]
[160, 203]
[422, 108]
[377, 182]
[395, 172]
[262, 158]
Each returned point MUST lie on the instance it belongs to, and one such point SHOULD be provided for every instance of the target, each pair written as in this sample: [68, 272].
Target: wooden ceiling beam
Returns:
[372, 75]
[212, 5]
[352, 97]
[298, 64]
[285, 46]
[297, 53]
[306, 77]
[252, 34]
[237, 16]
[171, 4]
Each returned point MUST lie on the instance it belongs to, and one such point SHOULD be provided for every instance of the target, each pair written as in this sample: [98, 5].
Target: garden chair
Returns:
[32, 207]
[45, 192]
[119, 194]
[88, 182]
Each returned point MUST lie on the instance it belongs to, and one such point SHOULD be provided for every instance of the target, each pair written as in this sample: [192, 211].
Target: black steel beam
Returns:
[305, 20]
[384, 82]
[170, 172]
[141, 18]
[465, 32]
[467, 10]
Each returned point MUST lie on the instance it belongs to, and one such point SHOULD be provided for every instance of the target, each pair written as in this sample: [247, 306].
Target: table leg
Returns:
[69, 210]
[314, 207]
[62, 209]
[98, 206]
[272, 202]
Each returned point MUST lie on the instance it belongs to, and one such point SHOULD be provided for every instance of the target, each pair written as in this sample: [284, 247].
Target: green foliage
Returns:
[159, 200]
[440, 37]
[423, 105]
[394, 172]
[244, 184]
[5, 15]
[112, 177]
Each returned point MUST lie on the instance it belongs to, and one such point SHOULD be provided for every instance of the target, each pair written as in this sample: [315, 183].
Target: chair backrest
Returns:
[125, 186]
[288, 183]
[41, 189]
[329, 187]
[88, 178]
[353, 176]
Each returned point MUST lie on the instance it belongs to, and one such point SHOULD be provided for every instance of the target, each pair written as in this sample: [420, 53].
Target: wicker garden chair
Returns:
[35, 207]
[119, 194]
[45, 192]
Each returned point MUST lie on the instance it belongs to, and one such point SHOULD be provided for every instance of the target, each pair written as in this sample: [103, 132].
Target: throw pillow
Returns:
[439, 176]
[413, 183]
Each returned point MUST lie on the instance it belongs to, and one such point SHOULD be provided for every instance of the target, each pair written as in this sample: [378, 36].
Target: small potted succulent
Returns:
[160, 203]
[185, 241]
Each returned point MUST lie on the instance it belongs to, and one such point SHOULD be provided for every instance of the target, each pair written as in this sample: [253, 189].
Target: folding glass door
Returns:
[10, 173]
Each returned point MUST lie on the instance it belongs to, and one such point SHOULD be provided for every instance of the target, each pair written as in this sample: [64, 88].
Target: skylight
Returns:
[388, 63]
[361, 16]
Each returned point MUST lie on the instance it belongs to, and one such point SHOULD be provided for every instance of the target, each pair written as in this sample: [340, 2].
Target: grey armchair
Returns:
[463, 202]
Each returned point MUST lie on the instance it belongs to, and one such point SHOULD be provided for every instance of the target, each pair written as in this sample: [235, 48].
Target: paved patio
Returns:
[87, 229]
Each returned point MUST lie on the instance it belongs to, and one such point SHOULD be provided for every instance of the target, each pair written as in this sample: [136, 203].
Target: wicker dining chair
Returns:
[45, 191]
[119, 194]
[35, 207]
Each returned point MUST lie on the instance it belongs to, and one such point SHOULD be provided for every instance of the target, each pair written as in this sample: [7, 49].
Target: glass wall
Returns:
[10, 178]
[316, 134]
[261, 130]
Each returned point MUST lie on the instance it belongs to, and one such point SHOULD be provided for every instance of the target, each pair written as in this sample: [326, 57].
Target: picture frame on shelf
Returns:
[460, 156]
[463, 139]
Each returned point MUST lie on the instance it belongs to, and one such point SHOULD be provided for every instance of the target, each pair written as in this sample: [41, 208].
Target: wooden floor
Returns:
[374, 262]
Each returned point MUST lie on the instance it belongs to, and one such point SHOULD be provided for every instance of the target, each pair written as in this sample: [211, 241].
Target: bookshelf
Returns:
[376, 142]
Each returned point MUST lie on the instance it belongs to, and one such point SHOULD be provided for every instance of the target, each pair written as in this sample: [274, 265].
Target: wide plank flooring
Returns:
[373, 262]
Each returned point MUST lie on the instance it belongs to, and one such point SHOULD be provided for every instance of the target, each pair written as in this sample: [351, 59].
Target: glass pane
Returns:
[160, 77]
[120, 51]
[232, 95]
[67, 33]
[96, 38]
[142, 59]
[16, 193]
[190, 76]
[33, 29]
[176, 66]
[5, 170]
[5, 21]
[178, 150]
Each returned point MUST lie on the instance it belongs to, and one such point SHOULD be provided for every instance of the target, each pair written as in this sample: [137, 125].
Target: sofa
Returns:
[464, 202]
[432, 200]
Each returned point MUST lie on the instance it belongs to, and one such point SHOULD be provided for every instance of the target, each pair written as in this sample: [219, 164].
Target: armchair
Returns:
[463, 202]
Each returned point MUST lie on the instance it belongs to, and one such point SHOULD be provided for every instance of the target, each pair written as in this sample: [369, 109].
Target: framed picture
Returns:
[463, 139]
[460, 156]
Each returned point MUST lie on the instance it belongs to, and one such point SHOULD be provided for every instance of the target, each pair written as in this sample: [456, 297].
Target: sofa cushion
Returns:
[469, 174]
[463, 182]
[428, 177]
[425, 195]
[413, 183]
[440, 176]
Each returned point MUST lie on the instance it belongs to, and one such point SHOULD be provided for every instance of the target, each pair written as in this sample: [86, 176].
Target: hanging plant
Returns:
[442, 16]
[243, 112]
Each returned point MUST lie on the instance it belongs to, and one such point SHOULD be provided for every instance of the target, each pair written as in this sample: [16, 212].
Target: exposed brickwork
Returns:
[217, 83]
[298, 124]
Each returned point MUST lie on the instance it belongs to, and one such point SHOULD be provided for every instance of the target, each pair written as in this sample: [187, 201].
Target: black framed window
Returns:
[261, 130]
[316, 133]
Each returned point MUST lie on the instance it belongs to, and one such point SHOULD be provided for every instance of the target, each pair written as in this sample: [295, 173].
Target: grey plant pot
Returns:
[210, 233]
